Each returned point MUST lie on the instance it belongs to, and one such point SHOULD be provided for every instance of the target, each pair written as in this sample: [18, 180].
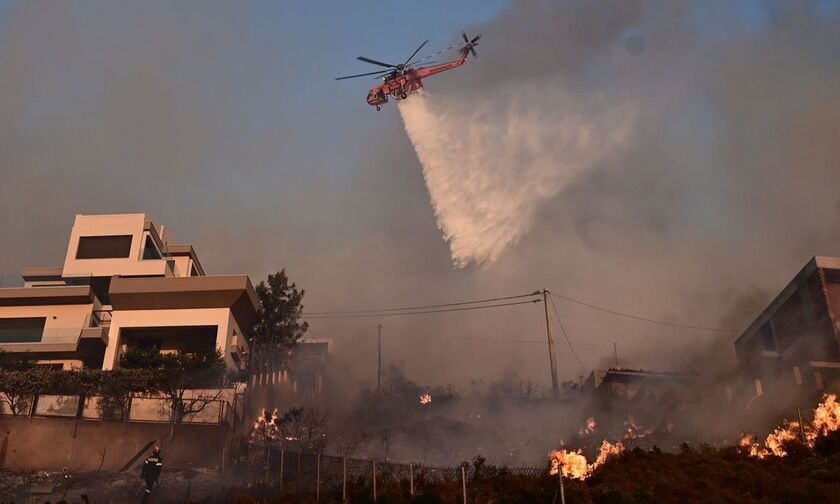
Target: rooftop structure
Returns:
[797, 337]
[123, 284]
[635, 384]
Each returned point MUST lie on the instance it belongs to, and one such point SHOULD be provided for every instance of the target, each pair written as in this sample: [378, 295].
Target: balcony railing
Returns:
[50, 339]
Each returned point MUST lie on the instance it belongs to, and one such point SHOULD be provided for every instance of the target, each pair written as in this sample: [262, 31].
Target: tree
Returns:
[116, 387]
[19, 388]
[15, 361]
[280, 323]
[305, 429]
[190, 371]
[180, 372]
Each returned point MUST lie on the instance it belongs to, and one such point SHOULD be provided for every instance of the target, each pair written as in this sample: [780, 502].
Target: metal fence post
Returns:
[297, 485]
[411, 478]
[267, 464]
[374, 481]
[282, 456]
[464, 483]
[318, 477]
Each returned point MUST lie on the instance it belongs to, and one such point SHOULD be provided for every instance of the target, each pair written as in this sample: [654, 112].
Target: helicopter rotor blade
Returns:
[362, 75]
[374, 62]
[464, 34]
[415, 52]
[475, 39]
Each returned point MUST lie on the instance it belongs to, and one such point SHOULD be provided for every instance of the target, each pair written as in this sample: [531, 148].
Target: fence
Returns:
[321, 475]
[224, 407]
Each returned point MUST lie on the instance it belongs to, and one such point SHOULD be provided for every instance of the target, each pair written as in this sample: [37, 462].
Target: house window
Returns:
[150, 250]
[104, 247]
[22, 330]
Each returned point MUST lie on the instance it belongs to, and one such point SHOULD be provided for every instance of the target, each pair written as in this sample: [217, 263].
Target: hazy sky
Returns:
[222, 120]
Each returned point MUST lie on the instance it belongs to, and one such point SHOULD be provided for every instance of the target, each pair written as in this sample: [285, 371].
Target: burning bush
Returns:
[826, 421]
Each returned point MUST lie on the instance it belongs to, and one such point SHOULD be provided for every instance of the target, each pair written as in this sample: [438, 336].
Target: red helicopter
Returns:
[400, 80]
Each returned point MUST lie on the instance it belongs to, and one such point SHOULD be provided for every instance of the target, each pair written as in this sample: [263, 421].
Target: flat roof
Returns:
[827, 262]
[162, 293]
[41, 273]
[49, 295]
[182, 249]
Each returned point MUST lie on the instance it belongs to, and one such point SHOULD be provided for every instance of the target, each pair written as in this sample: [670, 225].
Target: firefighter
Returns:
[151, 469]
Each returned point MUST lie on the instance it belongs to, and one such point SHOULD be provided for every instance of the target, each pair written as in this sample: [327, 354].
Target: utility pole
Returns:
[615, 353]
[552, 358]
[379, 359]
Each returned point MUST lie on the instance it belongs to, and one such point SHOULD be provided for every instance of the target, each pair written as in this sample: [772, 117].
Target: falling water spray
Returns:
[489, 164]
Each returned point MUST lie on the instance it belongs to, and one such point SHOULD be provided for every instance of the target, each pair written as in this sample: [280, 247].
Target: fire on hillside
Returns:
[826, 419]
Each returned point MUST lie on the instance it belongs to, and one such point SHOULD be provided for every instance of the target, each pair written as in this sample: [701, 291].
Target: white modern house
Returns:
[124, 283]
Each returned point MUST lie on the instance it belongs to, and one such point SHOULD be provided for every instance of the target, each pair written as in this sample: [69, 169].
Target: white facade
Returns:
[123, 283]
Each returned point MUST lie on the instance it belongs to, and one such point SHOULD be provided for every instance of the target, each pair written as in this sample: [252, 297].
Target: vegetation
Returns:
[179, 372]
[142, 372]
[280, 324]
[637, 476]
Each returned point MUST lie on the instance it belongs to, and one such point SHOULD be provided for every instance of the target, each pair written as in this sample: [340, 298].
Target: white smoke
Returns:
[490, 163]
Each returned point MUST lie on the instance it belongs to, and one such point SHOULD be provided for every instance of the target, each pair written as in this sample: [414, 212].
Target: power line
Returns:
[412, 308]
[644, 319]
[469, 308]
[496, 340]
[563, 329]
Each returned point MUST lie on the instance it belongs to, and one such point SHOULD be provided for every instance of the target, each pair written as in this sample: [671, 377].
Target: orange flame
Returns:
[827, 415]
[826, 419]
[633, 431]
[574, 464]
[265, 427]
[589, 428]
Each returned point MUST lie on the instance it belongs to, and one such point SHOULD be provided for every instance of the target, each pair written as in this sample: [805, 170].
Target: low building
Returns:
[124, 283]
[637, 384]
[796, 339]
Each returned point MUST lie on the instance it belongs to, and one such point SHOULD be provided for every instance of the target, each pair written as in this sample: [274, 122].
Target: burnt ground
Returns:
[637, 476]
[176, 485]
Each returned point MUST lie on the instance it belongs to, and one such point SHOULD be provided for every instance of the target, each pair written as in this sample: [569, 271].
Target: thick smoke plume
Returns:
[490, 163]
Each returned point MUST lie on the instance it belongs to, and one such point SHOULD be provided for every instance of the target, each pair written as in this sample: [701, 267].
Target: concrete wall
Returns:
[109, 225]
[50, 444]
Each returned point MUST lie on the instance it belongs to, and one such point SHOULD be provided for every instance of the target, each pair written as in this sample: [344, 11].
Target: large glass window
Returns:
[150, 250]
[104, 247]
[22, 330]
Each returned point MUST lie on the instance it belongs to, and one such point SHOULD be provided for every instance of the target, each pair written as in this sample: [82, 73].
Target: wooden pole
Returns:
[552, 358]
[411, 478]
[318, 477]
[379, 358]
[374, 481]
[801, 427]
[615, 353]
[297, 483]
[344, 479]
[464, 483]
